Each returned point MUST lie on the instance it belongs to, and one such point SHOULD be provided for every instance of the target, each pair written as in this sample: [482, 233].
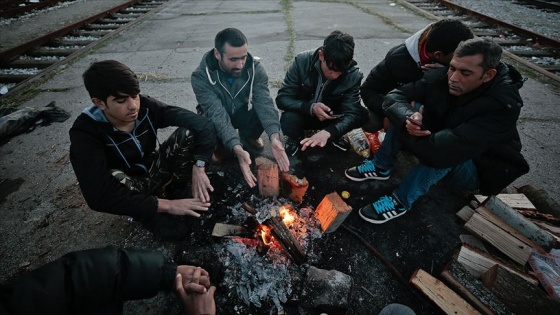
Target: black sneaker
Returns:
[383, 210]
[367, 170]
[291, 146]
[341, 144]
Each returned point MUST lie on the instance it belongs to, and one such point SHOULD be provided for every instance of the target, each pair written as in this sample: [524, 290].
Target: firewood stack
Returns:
[507, 280]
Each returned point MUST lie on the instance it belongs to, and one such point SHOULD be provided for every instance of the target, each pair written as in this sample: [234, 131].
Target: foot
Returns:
[291, 146]
[341, 144]
[367, 170]
[255, 143]
[382, 210]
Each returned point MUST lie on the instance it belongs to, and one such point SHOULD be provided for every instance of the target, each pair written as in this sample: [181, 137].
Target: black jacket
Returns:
[97, 147]
[85, 281]
[396, 69]
[300, 85]
[480, 125]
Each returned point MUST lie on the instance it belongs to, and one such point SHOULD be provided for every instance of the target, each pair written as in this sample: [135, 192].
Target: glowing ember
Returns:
[288, 217]
[265, 234]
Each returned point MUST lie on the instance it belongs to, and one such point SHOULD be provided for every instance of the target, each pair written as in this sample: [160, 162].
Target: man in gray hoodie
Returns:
[231, 89]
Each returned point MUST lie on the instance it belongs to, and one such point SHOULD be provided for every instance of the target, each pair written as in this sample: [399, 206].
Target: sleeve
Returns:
[377, 84]
[262, 102]
[202, 128]
[83, 281]
[288, 95]
[102, 191]
[211, 106]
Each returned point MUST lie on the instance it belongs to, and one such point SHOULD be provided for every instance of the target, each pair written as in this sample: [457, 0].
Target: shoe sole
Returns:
[356, 179]
[378, 222]
[340, 147]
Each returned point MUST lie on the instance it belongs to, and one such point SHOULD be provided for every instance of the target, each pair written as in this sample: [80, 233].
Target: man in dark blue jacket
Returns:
[465, 133]
[113, 148]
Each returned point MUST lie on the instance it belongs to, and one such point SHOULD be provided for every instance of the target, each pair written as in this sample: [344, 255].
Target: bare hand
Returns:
[414, 127]
[183, 206]
[193, 302]
[245, 164]
[319, 139]
[430, 66]
[280, 153]
[201, 184]
[322, 112]
[195, 279]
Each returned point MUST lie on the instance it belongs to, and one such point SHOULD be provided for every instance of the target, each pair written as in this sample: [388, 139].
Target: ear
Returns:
[217, 54]
[489, 75]
[99, 103]
[321, 56]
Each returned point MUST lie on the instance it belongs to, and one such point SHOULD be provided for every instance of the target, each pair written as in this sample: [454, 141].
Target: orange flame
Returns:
[265, 234]
[288, 217]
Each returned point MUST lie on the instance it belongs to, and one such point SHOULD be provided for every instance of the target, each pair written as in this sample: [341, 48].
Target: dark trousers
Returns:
[248, 124]
[294, 124]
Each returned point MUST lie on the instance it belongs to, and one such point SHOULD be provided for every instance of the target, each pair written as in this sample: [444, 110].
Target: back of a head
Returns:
[446, 34]
[110, 78]
[491, 52]
[338, 50]
[231, 36]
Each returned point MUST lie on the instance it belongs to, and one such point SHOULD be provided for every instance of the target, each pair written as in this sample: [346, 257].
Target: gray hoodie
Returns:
[219, 101]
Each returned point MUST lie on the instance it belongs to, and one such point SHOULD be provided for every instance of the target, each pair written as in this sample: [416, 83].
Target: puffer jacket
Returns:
[480, 125]
[218, 100]
[97, 147]
[303, 85]
[84, 282]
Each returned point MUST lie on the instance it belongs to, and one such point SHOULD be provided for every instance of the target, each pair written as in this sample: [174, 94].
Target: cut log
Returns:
[472, 289]
[518, 295]
[294, 188]
[268, 178]
[331, 212]
[472, 241]
[465, 213]
[445, 298]
[515, 201]
[477, 263]
[540, 216]
[221, 230]
[520, 223]
[285, 237]
[542, 201]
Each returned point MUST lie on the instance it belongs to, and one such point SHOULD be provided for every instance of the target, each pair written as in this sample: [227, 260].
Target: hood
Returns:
[411, 44]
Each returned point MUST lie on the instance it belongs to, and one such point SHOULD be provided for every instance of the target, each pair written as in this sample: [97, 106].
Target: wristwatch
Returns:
[200, 163]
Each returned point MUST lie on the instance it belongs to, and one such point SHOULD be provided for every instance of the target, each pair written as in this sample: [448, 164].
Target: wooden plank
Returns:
[477, 263]
[465, 213]
[473, 242]
[516, 201]
[472, 289]
[520, 223]
[221, 230]
[512, 247]
[445, 298]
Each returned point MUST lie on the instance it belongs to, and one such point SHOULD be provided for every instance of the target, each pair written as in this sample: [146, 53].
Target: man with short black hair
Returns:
[231, 87]
[321, 92]
[428, 48]
[465, 134]
[113, 149]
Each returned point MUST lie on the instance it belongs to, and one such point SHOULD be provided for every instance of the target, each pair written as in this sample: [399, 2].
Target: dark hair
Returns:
[232, 36]
[490, 51]
[338, 50]
[110, 78]
[446, 34]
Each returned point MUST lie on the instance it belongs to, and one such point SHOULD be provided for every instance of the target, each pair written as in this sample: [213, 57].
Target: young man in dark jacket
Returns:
[431, 47]
[465, 133]
[113, 148]
[321, 92]
[98, 281]
[231, 88]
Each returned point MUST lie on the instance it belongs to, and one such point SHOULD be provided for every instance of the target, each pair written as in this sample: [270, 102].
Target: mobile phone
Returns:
[416, 122]
[334, 115]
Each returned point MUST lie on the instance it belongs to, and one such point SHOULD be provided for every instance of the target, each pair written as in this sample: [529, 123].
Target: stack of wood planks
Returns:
[497, 280]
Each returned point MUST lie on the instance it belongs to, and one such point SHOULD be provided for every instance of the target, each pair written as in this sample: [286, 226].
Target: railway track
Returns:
[15, 8]
[536, 51]
[28, 62]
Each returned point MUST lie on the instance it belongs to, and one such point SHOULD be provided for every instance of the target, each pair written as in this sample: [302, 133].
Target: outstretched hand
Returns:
[319, 139]
[244, 159]
[195, 302]
[201, 184]
[279, 153]
[183, 206]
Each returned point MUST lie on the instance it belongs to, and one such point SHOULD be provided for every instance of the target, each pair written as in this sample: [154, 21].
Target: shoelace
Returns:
[367, 166]
[384, 204]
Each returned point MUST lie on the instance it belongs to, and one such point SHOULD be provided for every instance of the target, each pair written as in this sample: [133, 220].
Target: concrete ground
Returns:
[164, 50]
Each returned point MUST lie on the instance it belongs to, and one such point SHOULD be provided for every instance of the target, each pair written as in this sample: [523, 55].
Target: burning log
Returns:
[282, 234]
[331, 212]
[267, 177]
[293, 187]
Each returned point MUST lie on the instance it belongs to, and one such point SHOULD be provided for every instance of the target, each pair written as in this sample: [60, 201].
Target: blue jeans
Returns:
[419, 180]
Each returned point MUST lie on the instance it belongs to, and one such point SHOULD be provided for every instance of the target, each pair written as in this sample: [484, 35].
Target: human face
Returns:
[233, 59]
[328, 73]
[121, 111]
[466, 74]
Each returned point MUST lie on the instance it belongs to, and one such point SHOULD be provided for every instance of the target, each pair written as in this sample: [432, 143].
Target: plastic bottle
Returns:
[358, 142]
